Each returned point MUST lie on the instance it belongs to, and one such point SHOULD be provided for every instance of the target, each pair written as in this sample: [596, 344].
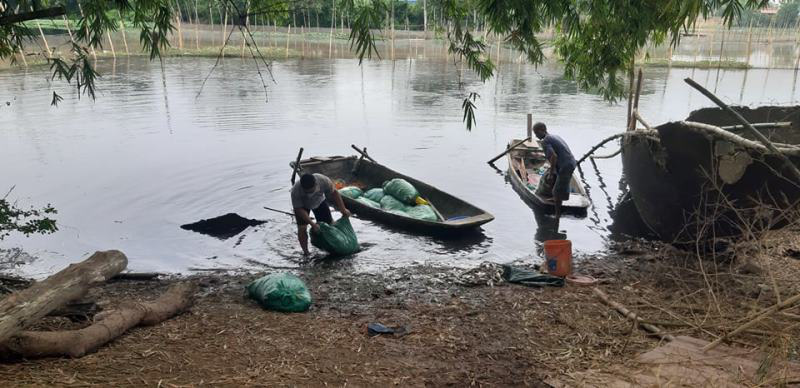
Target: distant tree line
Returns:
[787, 16]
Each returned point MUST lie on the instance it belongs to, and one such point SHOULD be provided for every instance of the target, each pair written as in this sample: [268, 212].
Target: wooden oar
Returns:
[296, 166]
[515, 145]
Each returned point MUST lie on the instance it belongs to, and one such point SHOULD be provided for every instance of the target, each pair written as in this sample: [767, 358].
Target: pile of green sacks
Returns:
[280, 292]
[396, 196]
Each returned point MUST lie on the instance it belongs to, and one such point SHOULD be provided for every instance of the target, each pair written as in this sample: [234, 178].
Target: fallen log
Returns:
[108, 326]
[21, 309]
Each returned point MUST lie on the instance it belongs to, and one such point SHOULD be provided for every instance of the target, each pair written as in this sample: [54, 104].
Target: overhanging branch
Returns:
[38, 14]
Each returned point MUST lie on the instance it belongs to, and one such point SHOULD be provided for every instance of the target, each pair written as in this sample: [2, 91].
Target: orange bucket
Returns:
[558, 257]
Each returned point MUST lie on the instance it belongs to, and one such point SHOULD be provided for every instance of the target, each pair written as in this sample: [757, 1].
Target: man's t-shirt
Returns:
[564, 158]
[312, 201]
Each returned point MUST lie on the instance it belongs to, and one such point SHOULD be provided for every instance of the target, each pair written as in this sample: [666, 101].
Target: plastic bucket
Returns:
[558, 257]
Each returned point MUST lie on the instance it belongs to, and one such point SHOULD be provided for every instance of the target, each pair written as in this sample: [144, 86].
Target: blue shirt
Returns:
[564, 158]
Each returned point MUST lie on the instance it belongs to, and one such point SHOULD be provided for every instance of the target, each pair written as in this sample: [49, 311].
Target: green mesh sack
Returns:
[280, 292]
[422, 212]
[351, 192]
[366, 201]
[402, 190]
[338, 238]
[375, 194]
[390, 203]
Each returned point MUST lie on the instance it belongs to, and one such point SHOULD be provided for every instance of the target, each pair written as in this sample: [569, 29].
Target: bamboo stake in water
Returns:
[178, 22]
[91, 47]
[196, 31]
[122, 29]
[111, 44]
[333, 27]
[41, 32]
[288, 38]
[211, 20]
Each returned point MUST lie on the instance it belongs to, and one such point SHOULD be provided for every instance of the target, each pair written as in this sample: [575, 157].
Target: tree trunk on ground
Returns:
[107, 326]
[21, 309]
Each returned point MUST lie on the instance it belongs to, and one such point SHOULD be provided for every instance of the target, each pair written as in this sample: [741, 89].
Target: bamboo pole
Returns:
[69, 31]
[196, 28]
[86, 31]
[111, 44]
[635, 107]
[122, 29]
[288, 38]
[41, 32]
[333, 27]
[178, 17]
[211, 21]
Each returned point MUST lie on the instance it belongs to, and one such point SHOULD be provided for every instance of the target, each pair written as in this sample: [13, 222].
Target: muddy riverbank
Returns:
[463, 326]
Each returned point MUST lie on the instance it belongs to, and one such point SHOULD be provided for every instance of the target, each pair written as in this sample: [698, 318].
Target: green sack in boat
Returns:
[422, 212]
[338, 238]
[280, 292]
[390, 203]
[366, 201]
[375, 194]
[351, 192]
[402, 190]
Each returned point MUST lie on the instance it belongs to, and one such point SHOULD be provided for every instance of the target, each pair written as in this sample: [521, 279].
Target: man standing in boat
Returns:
[562, 164]
[313, 193]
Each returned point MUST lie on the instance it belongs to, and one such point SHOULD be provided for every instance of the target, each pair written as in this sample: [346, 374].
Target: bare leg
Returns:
[302, 236]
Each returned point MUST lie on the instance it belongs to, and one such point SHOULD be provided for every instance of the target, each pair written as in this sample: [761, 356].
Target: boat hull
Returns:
[688, 186]
[460, 216]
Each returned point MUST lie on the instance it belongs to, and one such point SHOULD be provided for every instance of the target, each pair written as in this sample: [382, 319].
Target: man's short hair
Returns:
[539, 127]
[308, 181]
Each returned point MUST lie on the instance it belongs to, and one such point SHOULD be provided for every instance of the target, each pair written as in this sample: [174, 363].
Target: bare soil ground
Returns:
[463, 328]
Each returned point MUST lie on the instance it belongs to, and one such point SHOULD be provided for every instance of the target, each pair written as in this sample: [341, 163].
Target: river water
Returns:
[154, 152]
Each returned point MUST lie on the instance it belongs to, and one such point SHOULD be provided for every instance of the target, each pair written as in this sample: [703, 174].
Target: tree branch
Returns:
[38, 14]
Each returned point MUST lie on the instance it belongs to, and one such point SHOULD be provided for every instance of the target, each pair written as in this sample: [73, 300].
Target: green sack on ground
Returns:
[422, 212]
[366, 201]
[390, 203]
[280, 292]
[338, 238]
[351, 192]
[375, 194]
[402, 190]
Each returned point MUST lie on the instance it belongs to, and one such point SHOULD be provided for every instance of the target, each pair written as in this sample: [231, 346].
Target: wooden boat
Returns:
[457, 215]
[526, 164]
[690, 183]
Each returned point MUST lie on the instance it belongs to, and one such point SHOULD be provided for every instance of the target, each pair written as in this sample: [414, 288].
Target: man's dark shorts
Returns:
[322, 214]
[561, 186]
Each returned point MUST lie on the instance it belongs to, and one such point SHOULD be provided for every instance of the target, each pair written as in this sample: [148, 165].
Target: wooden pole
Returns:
[296, 166]
[211, 21]
[630, 95]
[279, 211]
[22, 309]
[763, 139]
[333, 27]
[636, 99]
[69, 31]
[529, 128]
[513, 146]
[288, 38]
